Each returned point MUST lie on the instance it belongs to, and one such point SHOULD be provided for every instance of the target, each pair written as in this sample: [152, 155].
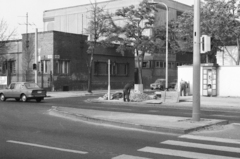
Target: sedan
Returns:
[23, 91]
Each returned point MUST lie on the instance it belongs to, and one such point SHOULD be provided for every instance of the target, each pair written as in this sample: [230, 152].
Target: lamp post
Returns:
[166, 75]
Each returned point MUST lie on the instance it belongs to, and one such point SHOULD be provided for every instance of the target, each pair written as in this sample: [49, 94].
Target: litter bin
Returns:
[65, 88]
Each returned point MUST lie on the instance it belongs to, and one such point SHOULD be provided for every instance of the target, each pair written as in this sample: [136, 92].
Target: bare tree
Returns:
[6, 34]
[96, 29]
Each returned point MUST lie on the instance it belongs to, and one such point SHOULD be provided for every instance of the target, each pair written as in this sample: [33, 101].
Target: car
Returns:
[158, 84]
[23, 91]
[172, 85]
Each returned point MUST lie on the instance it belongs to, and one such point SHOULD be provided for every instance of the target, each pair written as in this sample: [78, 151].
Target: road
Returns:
[28, 131]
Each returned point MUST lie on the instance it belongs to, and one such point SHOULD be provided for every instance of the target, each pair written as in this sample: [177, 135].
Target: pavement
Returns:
[157, 123]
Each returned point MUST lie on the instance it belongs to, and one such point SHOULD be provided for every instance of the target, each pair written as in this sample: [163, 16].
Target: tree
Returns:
[5, 35]
[130, 34]
[28, 58]
[96, 29]
[217, 20]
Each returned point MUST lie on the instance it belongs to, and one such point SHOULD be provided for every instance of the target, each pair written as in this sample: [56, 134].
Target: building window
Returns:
[4, 67]
[62, 67]
[161, 64]
[122, 69]
[144, 64]
[100, 68]
[179, 13]
[157, 64]
[117, 69]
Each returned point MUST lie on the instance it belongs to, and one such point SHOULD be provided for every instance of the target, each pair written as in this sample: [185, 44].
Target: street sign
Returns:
[49, 56]
[57, 56]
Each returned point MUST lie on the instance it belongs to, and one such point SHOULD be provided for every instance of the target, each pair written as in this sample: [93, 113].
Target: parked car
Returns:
[158, 84]
[172, 85]
[23, 91]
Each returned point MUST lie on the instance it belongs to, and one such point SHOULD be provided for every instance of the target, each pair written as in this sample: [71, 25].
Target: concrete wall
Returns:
[227, 79]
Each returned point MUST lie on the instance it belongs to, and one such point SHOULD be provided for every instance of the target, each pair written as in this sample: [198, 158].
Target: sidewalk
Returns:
[159, 123]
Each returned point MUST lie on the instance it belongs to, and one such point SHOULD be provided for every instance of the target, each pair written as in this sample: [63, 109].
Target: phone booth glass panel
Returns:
[209, 83]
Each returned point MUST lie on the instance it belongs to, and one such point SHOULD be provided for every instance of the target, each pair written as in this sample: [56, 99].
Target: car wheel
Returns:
[2, 97]
[24, 98]
[38, 100]
[17, 99]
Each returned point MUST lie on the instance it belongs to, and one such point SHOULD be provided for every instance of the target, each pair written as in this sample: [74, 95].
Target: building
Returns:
[62, 62]
[75, 19]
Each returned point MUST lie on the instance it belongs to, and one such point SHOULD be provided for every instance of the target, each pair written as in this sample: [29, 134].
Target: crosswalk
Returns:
[209, 148]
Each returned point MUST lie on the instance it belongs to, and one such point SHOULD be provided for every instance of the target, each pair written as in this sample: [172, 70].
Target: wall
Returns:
[227, 79]
[71, 47]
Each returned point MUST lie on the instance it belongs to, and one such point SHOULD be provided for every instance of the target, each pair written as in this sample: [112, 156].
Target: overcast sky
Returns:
[14, 11]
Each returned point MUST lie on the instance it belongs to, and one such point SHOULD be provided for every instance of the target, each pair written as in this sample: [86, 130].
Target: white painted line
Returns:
[202, 146]
[128, 157]
[186, 154]
[215, 139]
[46, 147]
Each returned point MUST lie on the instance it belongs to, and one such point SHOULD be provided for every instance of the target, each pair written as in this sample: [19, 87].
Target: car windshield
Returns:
[31, 85]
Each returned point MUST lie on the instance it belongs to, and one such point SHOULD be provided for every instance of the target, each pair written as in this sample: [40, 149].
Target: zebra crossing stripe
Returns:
[202, 146]
[179, 153]
[215, 139]
[128, 157]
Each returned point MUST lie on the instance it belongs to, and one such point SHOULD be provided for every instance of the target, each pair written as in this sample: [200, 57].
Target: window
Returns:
[62, 67]
[12, 86]
[100, 68]
[117, 69]
[161, 64]
[179, 13]
[144, 64]
[122, 69]
[157, 64]
[4, 67]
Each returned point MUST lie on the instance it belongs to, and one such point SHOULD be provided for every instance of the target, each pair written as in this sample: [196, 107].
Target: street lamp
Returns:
[166, 75]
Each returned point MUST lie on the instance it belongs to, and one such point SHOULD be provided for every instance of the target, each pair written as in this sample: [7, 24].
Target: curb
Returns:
[132, 125]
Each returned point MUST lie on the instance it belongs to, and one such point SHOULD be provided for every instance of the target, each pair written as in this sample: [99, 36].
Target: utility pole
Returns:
[109, 74]
[36, 56]
[196, 62]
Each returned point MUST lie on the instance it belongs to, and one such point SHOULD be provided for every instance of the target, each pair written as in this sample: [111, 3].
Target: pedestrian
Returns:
[126, 91]
[183, 87]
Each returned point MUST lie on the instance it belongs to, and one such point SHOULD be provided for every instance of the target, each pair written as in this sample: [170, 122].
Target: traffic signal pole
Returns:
[196, 63]
[36, 56]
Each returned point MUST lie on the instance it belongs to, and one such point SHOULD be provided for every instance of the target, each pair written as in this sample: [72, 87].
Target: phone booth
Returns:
[209, 77]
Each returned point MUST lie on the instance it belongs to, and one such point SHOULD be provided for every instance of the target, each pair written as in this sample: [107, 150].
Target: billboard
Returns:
[3, 80]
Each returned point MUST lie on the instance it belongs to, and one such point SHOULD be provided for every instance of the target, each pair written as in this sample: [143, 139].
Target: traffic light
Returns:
[205, 44]
[34, 66]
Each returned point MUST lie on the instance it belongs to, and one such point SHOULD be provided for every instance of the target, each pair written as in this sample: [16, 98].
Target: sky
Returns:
[14, 11]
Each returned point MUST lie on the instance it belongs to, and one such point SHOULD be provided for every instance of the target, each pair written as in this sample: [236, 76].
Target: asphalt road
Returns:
[28, 131]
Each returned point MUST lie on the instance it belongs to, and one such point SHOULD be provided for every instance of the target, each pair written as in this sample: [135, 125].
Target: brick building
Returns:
[62, 62]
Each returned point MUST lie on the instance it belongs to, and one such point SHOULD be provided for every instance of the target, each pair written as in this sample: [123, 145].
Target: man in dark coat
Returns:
[126, 91]
[183, 87]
